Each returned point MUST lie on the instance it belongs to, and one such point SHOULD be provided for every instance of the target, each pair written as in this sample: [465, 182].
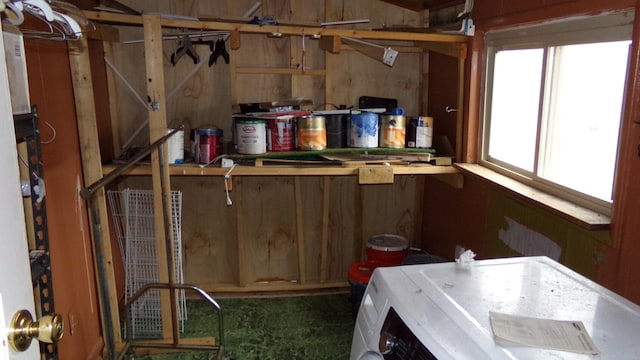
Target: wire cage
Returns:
[133, 218]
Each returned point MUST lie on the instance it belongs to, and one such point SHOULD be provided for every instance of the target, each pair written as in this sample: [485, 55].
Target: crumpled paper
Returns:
[465, 257]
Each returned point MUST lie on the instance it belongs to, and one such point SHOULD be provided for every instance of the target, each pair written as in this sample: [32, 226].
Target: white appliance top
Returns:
[447, 307]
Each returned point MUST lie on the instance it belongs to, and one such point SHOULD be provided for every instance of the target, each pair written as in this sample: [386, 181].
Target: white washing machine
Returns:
[441, 311]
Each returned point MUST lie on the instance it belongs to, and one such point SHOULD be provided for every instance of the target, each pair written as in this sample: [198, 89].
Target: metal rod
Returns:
[165, 192]
[89, 191]
[103, 289]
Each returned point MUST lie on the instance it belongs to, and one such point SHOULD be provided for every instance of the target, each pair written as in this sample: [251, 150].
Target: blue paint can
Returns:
[363, 129]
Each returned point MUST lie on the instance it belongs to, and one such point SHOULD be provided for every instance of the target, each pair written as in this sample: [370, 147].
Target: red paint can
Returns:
[281, 134]
[209, 144]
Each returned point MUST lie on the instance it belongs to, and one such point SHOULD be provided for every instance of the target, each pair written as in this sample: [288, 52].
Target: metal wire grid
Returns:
[133, 218]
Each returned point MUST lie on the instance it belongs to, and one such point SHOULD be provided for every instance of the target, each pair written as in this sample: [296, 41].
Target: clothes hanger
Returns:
[186, 47]
[220, 50]
[13, 14]
[38, 7]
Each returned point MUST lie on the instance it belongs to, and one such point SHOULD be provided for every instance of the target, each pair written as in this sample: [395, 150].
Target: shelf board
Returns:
[279, 71]
[300, 30]
[281, 170]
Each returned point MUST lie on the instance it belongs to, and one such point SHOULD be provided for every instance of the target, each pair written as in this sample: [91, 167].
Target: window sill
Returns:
[578, 215]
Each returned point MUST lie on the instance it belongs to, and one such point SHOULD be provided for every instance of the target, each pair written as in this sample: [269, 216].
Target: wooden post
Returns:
[157, 129]
[324, 250]
[302, 263]
[92, 170]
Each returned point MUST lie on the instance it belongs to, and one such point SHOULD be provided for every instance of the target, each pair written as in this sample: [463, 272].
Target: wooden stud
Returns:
[113, 103]
[242, 239]
[234, 40]
[330, 44]
[92, 170]
[324, 250]
[158, 128]
[302, 263]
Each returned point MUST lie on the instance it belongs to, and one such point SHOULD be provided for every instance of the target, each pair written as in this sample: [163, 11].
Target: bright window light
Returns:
[553, 105]
[583, 118]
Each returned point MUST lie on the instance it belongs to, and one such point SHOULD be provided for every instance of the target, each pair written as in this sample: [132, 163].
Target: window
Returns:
[553, 104]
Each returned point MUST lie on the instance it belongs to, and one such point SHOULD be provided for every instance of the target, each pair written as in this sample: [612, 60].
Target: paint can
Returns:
[175, 145]
[419, 132]
[208, 144]
[312, 132]
[363, 130]
[281, 134]
[387, 248]
[392, 131]
[251, 135]
[337, 130]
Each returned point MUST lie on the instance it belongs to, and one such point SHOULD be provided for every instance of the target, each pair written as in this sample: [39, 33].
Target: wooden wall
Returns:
[280, 231]
[213, 93]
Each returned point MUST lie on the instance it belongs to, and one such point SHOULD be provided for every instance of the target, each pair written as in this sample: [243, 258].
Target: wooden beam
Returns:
[330, 44]
[157, 129]
[302, 263]
[92, 170]
[456, 50]
[324, 247]
[284, 30]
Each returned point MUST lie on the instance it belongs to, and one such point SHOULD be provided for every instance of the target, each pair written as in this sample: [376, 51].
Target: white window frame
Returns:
[613, 26]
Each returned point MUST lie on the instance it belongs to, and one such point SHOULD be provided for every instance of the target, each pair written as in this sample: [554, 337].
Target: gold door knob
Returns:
[23, 329]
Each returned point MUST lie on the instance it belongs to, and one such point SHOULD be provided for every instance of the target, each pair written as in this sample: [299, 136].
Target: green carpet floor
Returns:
[317, 327]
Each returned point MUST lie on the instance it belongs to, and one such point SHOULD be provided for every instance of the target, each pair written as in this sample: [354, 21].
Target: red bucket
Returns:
[359, 276]
[387, 248]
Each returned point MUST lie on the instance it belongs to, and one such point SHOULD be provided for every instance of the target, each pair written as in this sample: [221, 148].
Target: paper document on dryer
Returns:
[543, 333]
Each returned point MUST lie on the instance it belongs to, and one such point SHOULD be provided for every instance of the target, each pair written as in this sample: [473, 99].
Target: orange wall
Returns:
[70, 243]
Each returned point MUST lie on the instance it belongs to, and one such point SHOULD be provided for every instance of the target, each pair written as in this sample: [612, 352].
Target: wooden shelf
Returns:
[282, 170]
[236, 28]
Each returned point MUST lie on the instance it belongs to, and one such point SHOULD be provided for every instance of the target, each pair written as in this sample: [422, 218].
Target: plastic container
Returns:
[387, 248]
[359, 276]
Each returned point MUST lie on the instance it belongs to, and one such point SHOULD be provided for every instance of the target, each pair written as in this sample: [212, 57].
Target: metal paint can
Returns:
[312, 132]
[363, 130]
[392, 131]
[281, 133]
[209, 144]
[419, 132]
[337, 130]
[251, 135]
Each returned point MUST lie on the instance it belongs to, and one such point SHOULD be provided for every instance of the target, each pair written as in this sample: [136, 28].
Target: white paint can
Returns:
[175, 143]
[251, 136]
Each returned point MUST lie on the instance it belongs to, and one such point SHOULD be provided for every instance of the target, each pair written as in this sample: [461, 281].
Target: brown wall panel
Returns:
[69, 236]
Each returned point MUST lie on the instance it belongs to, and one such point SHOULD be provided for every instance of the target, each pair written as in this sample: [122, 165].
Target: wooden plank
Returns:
[300, 238]
[326, 205]
[330, 44]
[285, 30]
[375, 175]
[158, 128]
[92, 169]
[460, 112]
[279, 71]
[197, 342]
[113, 103]
[243, 276]
[286, 170]
[566, 210]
